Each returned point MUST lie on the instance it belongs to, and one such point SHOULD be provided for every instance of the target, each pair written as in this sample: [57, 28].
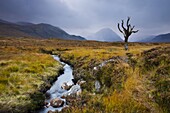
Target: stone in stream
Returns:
[50, 111]
[75, 89]
[66, 86]
[80, 82]
[57, 102]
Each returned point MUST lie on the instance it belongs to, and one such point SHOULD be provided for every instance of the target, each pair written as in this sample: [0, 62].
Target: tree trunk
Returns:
[126, 46]
[126, 39]
[126, 43]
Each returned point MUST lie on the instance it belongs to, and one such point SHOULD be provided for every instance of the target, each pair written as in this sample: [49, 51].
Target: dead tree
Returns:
[127, 31]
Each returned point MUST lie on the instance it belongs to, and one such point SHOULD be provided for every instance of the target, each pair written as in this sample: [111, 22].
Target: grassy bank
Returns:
[24, 77]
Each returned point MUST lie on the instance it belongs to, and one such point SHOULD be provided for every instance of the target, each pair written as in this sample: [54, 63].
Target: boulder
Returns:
[57, 102]
[97, 85]
[80, 82]
[66, 86]
[73, 90]
[50, 111]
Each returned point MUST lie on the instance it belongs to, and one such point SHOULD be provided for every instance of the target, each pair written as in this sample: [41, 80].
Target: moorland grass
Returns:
[137, 82]
[22, 77]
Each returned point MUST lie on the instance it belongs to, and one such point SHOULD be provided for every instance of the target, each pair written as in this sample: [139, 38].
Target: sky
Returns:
[83, 17]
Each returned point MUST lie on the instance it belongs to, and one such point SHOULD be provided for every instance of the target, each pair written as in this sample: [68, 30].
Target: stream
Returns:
[56, 91]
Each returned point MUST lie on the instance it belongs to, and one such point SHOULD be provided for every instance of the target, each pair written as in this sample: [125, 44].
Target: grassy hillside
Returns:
[134, 81]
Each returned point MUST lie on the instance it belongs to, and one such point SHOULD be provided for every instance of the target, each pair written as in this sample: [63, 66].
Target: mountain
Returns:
[105, 34]
[162, 38]
[158, 38]
[24, 23]
[42, 30]
[145, 39]
[3, 21]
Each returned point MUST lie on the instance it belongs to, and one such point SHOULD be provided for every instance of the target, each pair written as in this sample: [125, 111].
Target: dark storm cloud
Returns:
[85, 16]
[50, 11]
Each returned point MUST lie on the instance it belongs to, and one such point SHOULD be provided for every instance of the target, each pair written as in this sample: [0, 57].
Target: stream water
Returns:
[56, 91]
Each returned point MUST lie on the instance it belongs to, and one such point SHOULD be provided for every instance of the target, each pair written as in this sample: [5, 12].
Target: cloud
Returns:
[86, 16]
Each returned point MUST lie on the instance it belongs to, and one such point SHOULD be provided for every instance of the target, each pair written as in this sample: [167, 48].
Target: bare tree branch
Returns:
[127, 31]
[128, 22]
[135, 31]
[124, 29]
[119, 28]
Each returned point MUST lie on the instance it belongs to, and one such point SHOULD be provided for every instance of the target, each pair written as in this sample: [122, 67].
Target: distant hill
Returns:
[42, 30]
[24, 23]
[162, 38]
[3, 21]
[105, 34]
[158, 38]
[146, 39]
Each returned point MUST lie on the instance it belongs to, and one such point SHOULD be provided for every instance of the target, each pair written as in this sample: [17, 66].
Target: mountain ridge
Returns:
[157, 38]
[41, 30]
[162, 38]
